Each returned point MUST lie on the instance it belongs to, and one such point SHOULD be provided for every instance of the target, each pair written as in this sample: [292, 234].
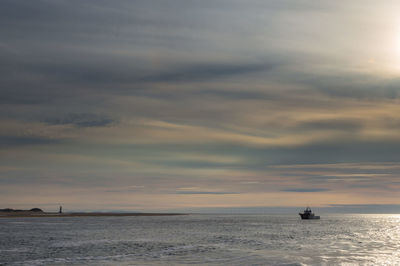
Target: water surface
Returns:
[201, 239]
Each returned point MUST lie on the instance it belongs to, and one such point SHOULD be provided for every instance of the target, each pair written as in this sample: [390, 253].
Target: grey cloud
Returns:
[119, 190]
[24, 96]
[338, 151]
[204, 193]
[82, 120]
[12, 141]
[206, 72]
[92, 15]
[31, 80]
[195, 164]
[332, 124]
[348, 85]
[234, 95]
[261, 158]
[123, 71]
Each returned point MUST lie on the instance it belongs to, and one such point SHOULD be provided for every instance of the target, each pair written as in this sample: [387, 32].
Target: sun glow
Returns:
[396, 48]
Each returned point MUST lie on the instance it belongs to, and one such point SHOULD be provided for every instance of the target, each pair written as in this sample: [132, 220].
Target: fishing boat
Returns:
[308, 214]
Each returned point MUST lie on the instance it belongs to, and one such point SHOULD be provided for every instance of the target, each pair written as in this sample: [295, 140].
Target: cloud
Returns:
[349, 85]
[18, 96]
[305, 190]
[128, 189]
[208, 72]
[244, 98]
[331, 124]
[364, 208]
[350, 166]
[11, 141]
[204, 193]
[82, 120]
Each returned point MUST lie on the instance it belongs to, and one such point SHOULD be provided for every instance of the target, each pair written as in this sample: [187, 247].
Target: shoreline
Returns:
[82, 214]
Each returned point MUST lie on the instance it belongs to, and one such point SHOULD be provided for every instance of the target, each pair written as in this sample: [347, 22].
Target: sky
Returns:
[199, 105]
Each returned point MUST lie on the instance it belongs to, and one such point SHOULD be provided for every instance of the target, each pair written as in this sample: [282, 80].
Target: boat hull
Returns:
[308, 217]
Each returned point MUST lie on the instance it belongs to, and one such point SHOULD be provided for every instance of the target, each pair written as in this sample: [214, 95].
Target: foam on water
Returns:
[201, 239]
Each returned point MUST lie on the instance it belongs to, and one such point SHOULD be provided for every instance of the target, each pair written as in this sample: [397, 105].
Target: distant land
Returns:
[36, 212]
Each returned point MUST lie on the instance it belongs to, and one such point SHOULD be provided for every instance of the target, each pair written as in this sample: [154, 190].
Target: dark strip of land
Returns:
[79, 214]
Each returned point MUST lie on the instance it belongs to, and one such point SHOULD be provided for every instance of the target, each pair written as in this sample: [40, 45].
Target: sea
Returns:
[200, 239]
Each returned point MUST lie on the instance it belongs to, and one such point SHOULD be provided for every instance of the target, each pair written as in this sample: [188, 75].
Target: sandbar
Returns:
[79, 214]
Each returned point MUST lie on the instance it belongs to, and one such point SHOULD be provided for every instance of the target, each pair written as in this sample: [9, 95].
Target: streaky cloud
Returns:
[82, 120]
[205, 193]
[207, 72]
[305, 190]
[11, 141]
[365, 208]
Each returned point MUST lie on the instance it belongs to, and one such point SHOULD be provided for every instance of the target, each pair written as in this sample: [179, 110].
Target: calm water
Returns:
[201, 239]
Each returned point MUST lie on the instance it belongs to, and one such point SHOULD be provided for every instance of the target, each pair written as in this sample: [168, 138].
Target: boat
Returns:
[308, 215]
